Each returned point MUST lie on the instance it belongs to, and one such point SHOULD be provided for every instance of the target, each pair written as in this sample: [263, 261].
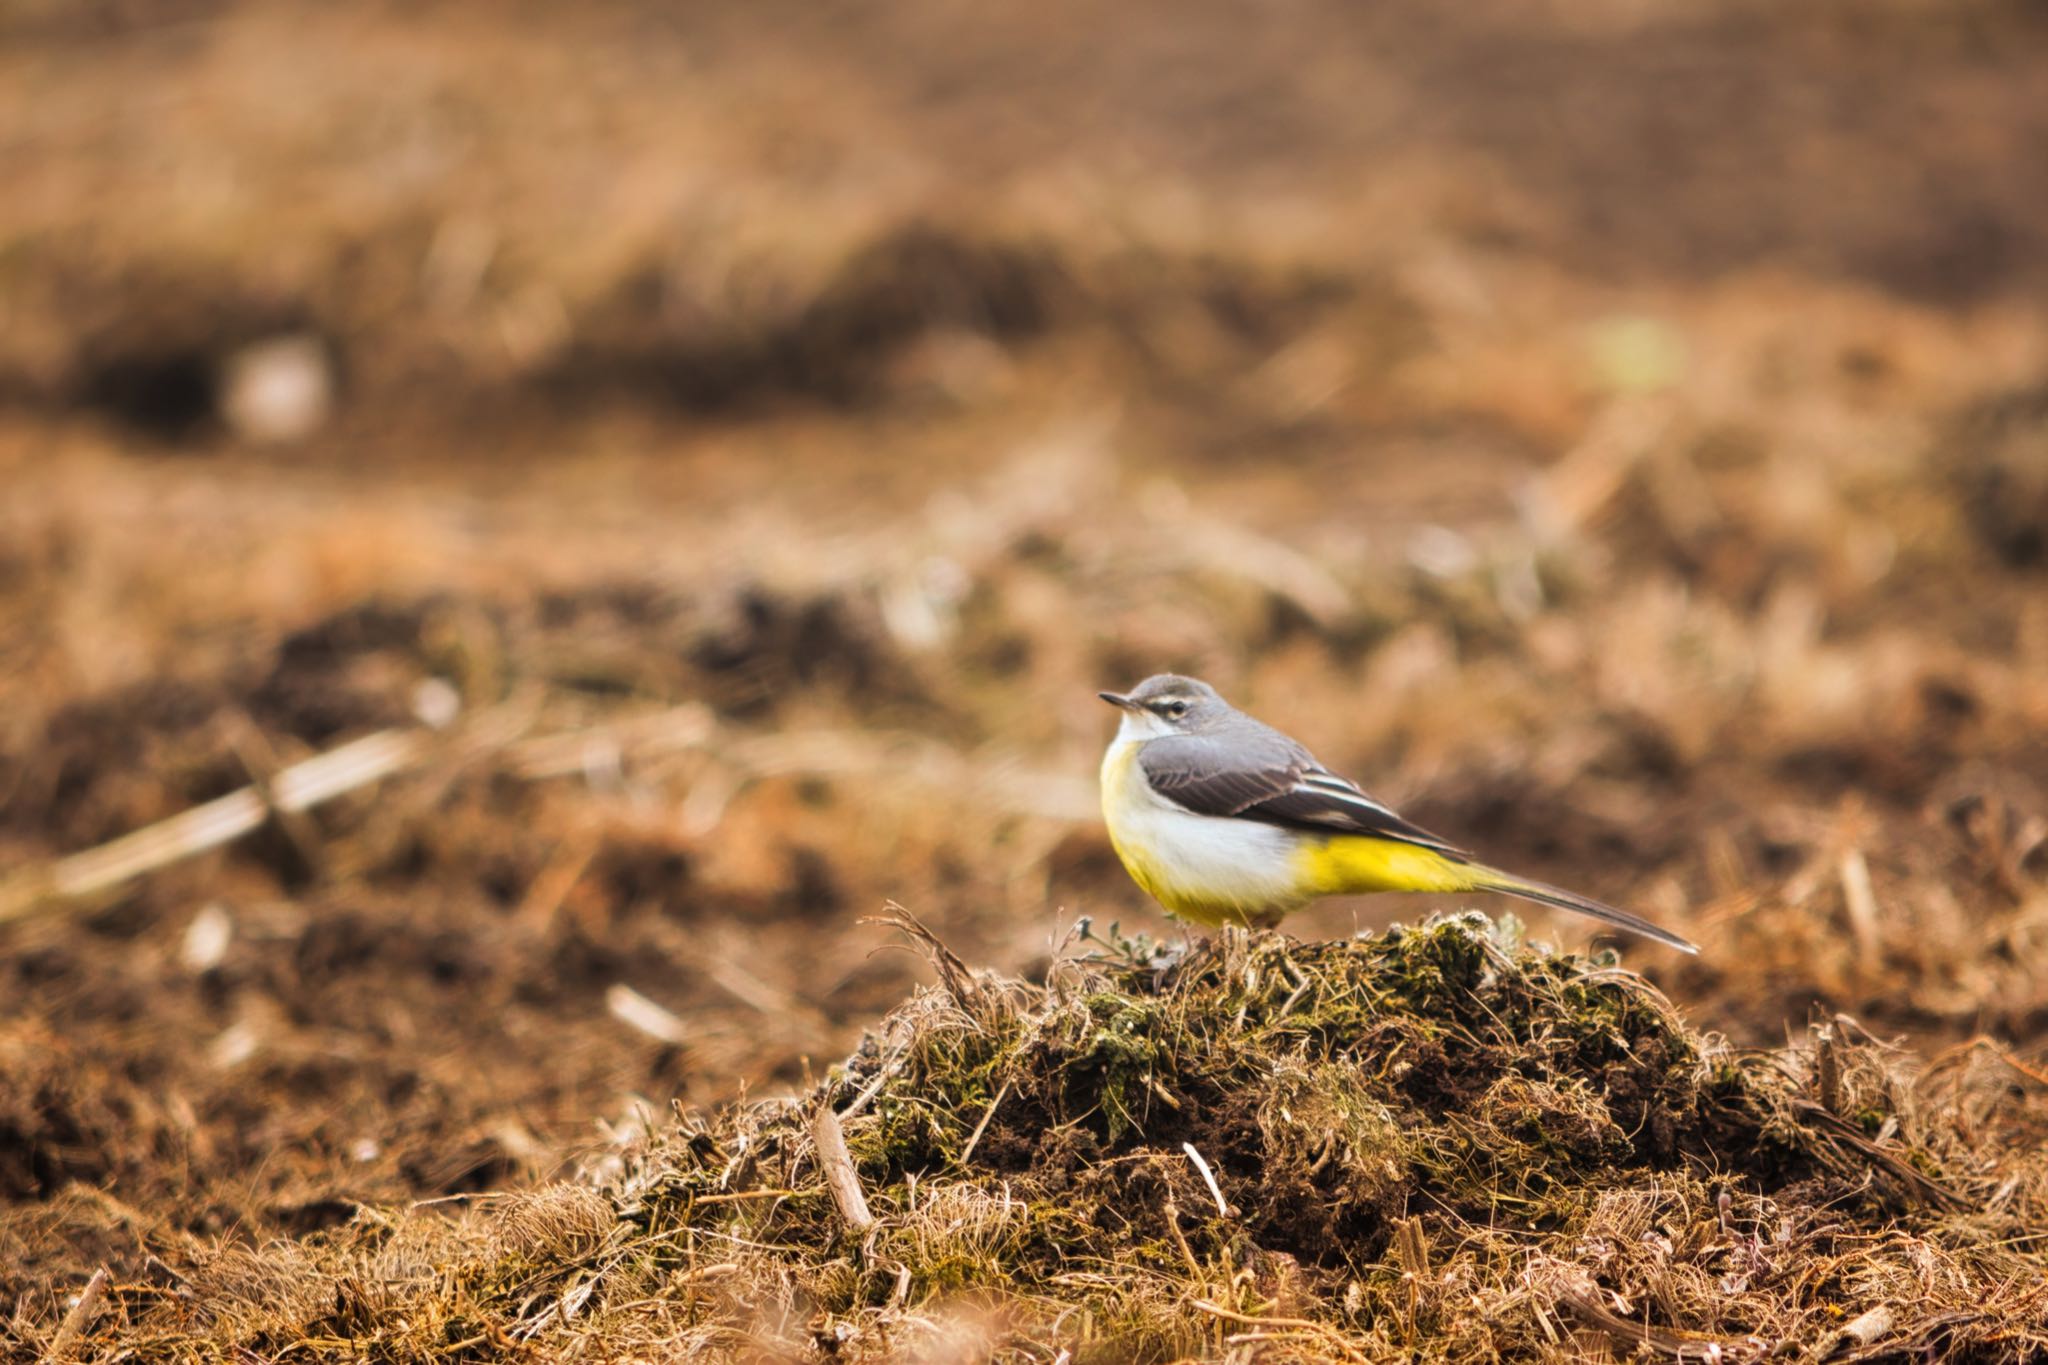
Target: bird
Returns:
[1226, 821]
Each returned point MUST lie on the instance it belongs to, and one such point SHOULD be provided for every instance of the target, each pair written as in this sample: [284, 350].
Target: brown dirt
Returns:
[1617, 437]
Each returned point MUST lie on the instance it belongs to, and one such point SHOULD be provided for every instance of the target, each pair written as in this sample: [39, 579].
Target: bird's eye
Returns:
[1176, 709]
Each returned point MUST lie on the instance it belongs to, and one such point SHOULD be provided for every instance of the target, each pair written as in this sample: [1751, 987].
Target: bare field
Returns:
[1620, 440]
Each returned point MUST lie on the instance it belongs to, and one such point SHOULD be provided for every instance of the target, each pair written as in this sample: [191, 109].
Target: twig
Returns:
[1180, 1239]
[1665, 1341]
[259, 758]
[967, 1152]
[1860, 900]
[1827, 1069]
[299, 787]
[655, 1020]
[1208, 1177]
[361, 762]
[1301, 984]
[707, 1272]
[79, 1318]
[837, 1164]
[1412, 1248]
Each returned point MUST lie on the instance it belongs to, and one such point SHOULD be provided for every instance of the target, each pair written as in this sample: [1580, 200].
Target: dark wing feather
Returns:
[1268, 777]
[1211, 778]
[1323, 800]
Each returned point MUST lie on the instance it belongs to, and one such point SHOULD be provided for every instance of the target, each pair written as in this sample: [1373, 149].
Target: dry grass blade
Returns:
[1922, 1185]
[954, 973]
[828, 1140]
[1561, 1145]
[655, 1020]
[1860, 899]
[974, 1138]
[285, 795]
[72, 1329]
[297, 788]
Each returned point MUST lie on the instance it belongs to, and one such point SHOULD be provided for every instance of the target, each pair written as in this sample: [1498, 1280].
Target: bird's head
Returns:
[1168, 704]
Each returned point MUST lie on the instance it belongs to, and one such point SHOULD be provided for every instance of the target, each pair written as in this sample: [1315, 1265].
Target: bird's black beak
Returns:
[1116, 699]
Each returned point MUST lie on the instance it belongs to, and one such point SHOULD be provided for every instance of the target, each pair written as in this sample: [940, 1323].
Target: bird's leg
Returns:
[1267, 919]
[1235, 941]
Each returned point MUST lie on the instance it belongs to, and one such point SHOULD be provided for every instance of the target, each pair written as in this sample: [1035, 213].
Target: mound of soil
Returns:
[1432, 1144]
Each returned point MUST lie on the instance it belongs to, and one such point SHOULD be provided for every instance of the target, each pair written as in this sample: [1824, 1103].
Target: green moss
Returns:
[1118, 1062]
[1408, 1133]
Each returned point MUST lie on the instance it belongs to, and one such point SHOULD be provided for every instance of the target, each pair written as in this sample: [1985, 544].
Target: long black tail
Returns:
[1543, 893]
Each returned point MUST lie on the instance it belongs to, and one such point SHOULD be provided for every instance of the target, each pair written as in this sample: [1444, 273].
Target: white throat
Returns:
[1140, 726]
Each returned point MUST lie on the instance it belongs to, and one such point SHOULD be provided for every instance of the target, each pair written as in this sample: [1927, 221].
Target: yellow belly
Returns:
[1202, 868]
[1219, 870]
[1212, 904]
[1353, 864]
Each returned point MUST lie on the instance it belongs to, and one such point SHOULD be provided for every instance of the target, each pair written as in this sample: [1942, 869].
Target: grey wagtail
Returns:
[1225, 820]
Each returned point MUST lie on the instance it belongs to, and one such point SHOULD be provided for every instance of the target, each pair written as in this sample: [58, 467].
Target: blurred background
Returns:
[733, 444]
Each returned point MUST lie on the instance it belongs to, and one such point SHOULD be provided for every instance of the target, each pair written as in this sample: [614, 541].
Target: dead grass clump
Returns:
[1430, 1144]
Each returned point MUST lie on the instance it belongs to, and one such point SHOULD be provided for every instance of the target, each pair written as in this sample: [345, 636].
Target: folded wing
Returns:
[1270, 778]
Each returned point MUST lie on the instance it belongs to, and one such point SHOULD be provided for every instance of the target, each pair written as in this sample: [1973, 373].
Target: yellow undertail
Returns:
[1349, 865]
[1355, 864]
[1334, 866]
